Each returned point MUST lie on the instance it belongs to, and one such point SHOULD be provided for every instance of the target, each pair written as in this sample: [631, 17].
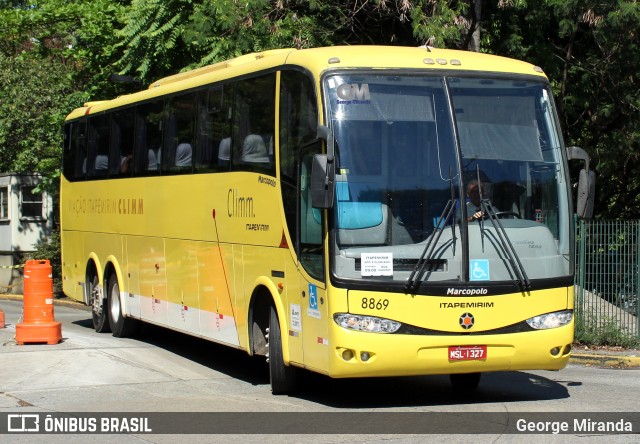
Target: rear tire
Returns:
[98, 306]
[283, 378]
[465, 381]
[121, 326]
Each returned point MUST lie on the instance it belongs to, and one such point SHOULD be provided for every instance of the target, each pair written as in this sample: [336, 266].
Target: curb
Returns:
[61, 302]
[606, 360]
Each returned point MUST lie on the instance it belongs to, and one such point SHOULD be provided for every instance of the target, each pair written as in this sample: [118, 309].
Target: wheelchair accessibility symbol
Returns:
[313, 297]
[479, 270]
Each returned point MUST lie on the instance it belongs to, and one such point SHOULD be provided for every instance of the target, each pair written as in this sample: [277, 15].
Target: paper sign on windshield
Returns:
[376, 264]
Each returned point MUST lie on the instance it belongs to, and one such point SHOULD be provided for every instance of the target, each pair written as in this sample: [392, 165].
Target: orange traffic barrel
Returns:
[1, 318]
[39, 325]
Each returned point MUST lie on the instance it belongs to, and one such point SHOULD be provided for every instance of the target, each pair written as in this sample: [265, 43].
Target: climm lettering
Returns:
[466, 304]
[131, 206]
[128, 206]
[239, 206]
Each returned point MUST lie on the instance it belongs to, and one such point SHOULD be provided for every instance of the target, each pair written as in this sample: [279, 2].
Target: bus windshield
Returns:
[447, 179]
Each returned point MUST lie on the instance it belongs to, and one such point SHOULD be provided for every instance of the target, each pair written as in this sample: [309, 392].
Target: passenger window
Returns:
[180, 133]
[253, 119]
[148, 148]
[213, 148]
[99, 140]
[122, 137]
[74, 156]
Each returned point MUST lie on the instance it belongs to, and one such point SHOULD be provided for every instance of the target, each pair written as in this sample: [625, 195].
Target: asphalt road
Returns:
[164, 371]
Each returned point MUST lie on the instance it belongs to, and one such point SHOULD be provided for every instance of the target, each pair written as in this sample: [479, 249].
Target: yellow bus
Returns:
[351, 211]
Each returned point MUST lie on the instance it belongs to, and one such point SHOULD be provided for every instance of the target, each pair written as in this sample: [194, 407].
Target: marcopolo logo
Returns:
[349, 93]
[467, 291]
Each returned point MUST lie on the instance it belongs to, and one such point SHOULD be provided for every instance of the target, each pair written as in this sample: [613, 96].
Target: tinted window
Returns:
[253, 121]
[179, 136]
[298, 122]
[99, 141]
[78, 151]
[148, 148]
[213, 149]
[122, 137]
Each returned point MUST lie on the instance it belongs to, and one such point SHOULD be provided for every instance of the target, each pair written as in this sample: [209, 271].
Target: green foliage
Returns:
[151, 42]
[55, 54]
[591, 329]
[440, 23]
[589, 49]
[36, 95]
[163, 37]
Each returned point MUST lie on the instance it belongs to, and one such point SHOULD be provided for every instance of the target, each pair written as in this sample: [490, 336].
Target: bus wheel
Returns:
[121, 326]
[465, 381]
[98, 305]
[283, 378]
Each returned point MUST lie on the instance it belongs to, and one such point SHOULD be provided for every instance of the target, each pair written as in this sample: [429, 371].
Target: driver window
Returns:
[311, 248]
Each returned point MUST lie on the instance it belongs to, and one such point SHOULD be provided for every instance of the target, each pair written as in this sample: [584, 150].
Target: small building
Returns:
[26, 218]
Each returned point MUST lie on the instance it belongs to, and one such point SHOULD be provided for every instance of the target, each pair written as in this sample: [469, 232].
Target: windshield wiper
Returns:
[430, 246]
[503, 238]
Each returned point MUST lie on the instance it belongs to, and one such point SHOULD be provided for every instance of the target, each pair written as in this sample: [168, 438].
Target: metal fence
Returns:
[607, 279]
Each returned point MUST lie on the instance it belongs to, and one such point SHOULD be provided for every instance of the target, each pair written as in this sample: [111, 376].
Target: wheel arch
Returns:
[92, 267]
[264, 295]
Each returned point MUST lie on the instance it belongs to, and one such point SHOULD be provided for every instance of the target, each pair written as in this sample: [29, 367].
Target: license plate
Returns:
[467, 352]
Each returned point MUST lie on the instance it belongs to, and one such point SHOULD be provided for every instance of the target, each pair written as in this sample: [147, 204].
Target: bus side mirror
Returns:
[586, 183]
[586, 193]
[323, 172]
[323, 178]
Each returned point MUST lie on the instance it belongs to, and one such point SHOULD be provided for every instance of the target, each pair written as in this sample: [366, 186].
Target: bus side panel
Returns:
[182, 285]
[257, 265]
[131, 282]
[198, 295]
[102, 245]
[73, 264]
[238, 298]
[316, 322]
[295, 303]
[148, 253]
[217, 317]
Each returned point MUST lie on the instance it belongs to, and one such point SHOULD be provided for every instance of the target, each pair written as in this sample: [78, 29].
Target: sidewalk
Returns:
[605, 357]
[611, 357]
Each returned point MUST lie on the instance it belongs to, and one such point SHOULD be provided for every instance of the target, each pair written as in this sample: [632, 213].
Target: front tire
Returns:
[283, 378]
[98, 305]
[121, 326]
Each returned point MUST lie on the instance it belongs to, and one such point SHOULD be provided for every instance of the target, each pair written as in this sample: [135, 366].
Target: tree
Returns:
[589, 50]
[54, 55]
[164, 37]
[36, 95]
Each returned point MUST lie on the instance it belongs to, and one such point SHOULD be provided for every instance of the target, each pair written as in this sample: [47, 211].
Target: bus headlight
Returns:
[366, 323]
[551, 320]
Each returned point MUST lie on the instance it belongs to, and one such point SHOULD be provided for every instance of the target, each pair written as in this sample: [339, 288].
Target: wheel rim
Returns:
[115, 302]
[94, 294]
